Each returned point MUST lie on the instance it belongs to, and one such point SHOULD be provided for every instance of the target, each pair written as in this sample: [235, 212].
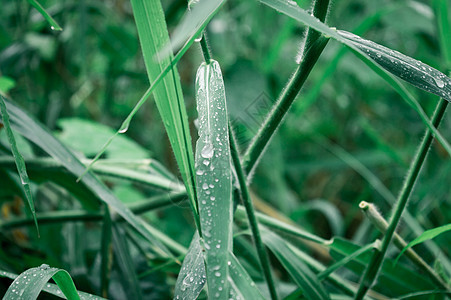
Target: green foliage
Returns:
[150, 208]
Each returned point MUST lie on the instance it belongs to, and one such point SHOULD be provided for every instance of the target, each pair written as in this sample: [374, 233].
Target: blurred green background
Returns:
[82, 83]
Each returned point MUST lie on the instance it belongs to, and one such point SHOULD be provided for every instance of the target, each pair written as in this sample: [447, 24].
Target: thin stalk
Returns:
[205, 48]
[378, 256]
[381, 224]
[253, 223]
[314, 46]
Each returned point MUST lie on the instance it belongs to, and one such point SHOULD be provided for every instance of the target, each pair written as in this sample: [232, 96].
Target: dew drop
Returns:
[439, 82]
[207, 151]
[205, 186]
[200, 172]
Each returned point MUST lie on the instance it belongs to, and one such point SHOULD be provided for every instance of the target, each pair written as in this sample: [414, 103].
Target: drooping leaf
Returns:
[398, 64]
[18, 159]
[153, 36]
[53, 24]
[192, 276]
[30, 283]
[298, 270]
[427, 235]
[241, 284]
[53, 289]
[214, 180]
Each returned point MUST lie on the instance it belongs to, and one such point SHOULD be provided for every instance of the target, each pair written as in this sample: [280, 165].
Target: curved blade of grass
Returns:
[53, 24]
[214, 180]
[53, 289]
[192, 276]
[30, 283]
[19, 161]
[153, 35]
[400, 65]
[299, 272]
[193, 23]
[35, 132]
[427, 235]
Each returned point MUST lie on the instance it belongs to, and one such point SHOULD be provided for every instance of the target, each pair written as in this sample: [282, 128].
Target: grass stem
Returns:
[415, 167]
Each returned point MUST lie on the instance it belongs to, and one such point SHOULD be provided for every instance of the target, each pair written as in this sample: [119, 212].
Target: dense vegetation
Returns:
[319, 155]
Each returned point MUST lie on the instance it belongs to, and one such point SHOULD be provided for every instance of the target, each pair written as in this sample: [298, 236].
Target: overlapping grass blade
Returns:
[241, 284]
[39, 135]
[18, 159]
[400, 65]
[192, 276]
[153, 36]
[214, 180]
[427, 235]
[53, 24]
[30, 283]
[300, 272]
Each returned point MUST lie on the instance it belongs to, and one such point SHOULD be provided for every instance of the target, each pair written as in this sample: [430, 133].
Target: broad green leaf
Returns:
[299, 272]
[196, 18]
[214, 180]
[39, 135]
[30, 283]
[20, 163]
[53, 289]
[192, 276]
[153, 36]
[427, 235]
[53, 24]
[400, 65]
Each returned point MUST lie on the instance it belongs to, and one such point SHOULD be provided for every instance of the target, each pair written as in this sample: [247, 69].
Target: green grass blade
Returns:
[122, 256]
[214, 179]
[53, 24]
[18, 159]
[400, 65]
[39, 135]
[193, 23]
[299, 271]
[442, 11]
[192, 276]
[153, 36]
[427, 235]
[106, 252]
[30, 283]
[241, 284]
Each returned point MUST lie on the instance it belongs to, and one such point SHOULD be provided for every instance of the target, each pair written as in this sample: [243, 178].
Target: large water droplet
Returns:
[124, 128]
[207, 151]
[439, 82]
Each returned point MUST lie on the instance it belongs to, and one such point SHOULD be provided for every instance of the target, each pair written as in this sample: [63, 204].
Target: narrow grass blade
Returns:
[193, 23]
[192, 276]
[427, 235]
[18, 159]
[241, 284]
[53, 24]
[214, 180]
[442, 10]
[106, 252]
[153, 36]
[30, 283]
[299, 271]
[400, 65]
[35, 132]
[125, 262]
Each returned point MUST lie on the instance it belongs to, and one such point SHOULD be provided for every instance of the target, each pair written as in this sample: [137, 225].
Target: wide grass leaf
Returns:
[427, 235]
[214, 180]
[30, 283]
[35, 132]
[192, 276]
[400, 65]
[153, 35]
[241, 284]
[298, 270]
[18, 159]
